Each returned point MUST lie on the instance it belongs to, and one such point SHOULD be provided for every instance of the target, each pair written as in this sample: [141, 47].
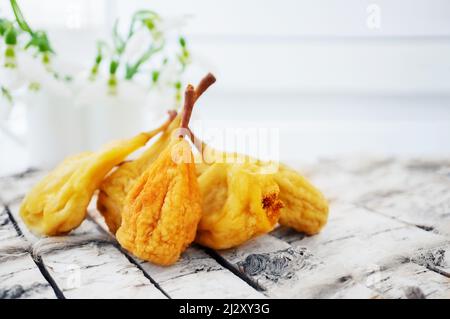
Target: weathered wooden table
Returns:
[388, 237]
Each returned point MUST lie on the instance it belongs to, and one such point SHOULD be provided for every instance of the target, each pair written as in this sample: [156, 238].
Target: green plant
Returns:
[114, 54]
[38, 39]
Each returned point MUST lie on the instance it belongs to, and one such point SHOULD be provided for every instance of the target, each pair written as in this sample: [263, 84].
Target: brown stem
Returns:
[204, 84]
[191, 96]
[189, 101]
[172, 115]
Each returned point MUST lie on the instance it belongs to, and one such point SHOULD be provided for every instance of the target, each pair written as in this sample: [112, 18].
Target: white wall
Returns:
[316, 69]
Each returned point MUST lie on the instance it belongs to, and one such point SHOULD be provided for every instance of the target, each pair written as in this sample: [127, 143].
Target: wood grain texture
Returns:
[195, 275]
[362, 241]
[85, 263]
[19, 275]
[388, 236]
[97, 270]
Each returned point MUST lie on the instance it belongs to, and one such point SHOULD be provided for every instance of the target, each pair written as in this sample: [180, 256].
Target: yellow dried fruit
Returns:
[114, 188]
[240, 197]
[239, 203]
[306, 209]
[162, 209]
[58, 203]
[116, 185]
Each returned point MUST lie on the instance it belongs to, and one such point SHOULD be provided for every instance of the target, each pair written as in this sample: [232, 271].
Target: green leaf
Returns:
[155, 76]
[11, 36]
[182, 42]
[6, 94]
[4, 26]
[119, 43]
[20, 18]
[132, 70]
[40, 41]
[113, 67]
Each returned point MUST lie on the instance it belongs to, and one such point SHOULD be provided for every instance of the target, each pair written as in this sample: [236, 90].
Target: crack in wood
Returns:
[58, 292]
[37, 259]
[127, 255]
[13, 221]
[50, 244]
[421, 227]
[23, 174]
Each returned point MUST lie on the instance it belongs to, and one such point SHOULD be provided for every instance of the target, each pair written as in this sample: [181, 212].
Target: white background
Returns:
[312, 69]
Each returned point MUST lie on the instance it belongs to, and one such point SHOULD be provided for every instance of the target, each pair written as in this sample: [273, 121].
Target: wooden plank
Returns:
[409, 281]
[19, 275]
[427, 205]
[368, 245]
[288, 271]
[415, 191]
[354, 242]
[363, 252]
[15, 187]
[95, 270]
[352, 179]
[86, 264]
[355, 237]
[86, 245]
[195, 275]
[7, 230]
[424, 202]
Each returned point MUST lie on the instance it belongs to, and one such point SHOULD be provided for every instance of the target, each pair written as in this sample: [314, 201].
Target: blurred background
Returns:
[333, 77]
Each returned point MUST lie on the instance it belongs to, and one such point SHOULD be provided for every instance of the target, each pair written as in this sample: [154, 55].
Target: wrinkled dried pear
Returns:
[305, 208]
[114, 188]
[57, 204]
[162, 210]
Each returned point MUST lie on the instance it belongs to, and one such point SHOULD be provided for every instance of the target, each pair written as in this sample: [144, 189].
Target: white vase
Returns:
[116, 116]
[55, 127]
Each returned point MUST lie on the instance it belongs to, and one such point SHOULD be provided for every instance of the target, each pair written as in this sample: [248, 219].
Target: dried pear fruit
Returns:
[115, 187]
[57, 204]
[240, 201]
[163, 207]
[306, 209]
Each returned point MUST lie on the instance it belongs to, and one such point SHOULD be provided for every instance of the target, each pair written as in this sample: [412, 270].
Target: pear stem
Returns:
[204, 84]
[191, 96]
[189, 101]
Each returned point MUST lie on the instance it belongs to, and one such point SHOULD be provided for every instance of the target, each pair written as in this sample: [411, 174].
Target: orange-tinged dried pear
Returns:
[306, 209]
[163, 207]
[114, 188]
[58, 203]
[116, 185]
[240, 201]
